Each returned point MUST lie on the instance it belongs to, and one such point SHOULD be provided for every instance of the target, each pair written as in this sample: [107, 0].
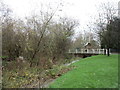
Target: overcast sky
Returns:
[83, 10]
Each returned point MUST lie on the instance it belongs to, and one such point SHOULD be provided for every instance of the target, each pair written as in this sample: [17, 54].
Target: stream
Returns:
[47, 82]
[71, 63]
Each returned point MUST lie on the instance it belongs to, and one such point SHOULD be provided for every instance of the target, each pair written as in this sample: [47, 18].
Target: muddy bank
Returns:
[45, 80]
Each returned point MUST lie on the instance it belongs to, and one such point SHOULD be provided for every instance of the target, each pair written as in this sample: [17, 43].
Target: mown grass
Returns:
[94, 72]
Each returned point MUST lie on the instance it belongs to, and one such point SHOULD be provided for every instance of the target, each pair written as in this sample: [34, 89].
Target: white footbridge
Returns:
[89, 51]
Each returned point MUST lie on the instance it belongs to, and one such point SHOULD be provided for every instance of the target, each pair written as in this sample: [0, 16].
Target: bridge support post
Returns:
[87, 51]
[76, 50]
[102, 51]
[81, 50]
[69, 50]
[93, 50]
[99, 51]
[106, 51]
[109, 51]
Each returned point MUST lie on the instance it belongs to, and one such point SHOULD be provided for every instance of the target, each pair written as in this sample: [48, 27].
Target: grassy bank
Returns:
[93, 72]
[16, 75]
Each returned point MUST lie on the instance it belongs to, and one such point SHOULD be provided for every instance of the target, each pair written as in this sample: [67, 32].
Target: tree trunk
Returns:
[104, 51]
[108, 52]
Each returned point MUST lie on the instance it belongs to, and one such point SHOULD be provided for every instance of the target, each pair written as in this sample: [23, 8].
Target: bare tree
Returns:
[105, 16]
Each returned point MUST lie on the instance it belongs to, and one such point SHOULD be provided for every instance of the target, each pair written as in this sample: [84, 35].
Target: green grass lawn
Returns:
[93, 72]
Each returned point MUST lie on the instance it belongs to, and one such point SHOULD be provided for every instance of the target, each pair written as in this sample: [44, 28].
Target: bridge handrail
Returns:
[96, 51]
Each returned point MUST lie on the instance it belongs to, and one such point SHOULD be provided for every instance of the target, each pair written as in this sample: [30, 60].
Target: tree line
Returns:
[108, 28]
[40, 39]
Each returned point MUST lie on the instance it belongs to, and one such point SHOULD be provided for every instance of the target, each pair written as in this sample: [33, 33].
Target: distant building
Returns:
[88, 46]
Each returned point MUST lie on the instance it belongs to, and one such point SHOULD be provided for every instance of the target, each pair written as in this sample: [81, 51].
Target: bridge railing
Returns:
[92, 51]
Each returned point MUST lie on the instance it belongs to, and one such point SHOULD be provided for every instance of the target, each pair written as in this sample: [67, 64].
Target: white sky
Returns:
[82, 10]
